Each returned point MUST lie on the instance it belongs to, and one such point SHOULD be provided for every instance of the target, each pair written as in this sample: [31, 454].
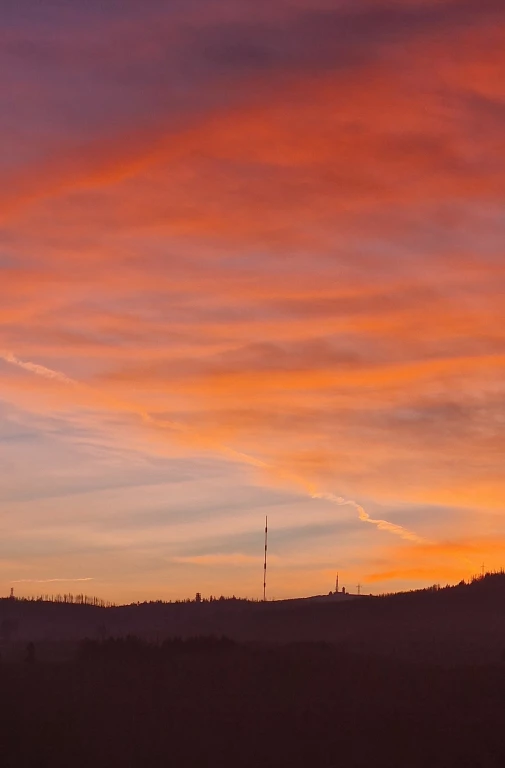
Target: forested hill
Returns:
[446, 625]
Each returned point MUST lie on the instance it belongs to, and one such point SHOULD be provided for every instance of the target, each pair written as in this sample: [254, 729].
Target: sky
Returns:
[251, 263]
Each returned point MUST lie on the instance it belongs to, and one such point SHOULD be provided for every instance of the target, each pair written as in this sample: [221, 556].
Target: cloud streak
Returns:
[38, 370]
[287, 476]
[48, 581]
[382, 525]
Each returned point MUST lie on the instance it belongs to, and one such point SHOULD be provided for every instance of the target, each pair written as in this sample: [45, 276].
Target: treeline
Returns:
[131, 648]
[200, 599]
[68, 598]
[97, 602]
[496, 578]
[490, 580]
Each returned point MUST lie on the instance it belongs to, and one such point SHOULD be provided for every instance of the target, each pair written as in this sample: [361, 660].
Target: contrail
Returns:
[47, 581]
[383, 525]
[39, 370]
[49, 373]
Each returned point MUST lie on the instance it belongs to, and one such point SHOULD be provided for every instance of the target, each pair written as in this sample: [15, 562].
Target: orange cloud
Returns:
[437, 562]
[300, 258]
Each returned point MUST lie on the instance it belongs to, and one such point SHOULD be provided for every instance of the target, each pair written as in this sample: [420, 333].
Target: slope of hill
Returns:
[452, 625]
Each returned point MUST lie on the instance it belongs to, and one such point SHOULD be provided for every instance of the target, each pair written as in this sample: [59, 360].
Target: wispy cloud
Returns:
[382, 525]
[38, 370]
[283, 475]
[48, 581]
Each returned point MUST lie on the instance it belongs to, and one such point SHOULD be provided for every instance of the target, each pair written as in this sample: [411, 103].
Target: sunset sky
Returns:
[251, 263]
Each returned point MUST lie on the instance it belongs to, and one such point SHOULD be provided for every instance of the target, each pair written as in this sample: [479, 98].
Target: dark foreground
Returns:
[209, 703]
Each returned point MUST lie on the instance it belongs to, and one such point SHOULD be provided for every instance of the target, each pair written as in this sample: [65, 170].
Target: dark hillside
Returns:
[125, 703]
[465, 623]
[393, 685]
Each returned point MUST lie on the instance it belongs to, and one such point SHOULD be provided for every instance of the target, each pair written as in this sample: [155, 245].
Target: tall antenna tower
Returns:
[336, 583]
[265, 562]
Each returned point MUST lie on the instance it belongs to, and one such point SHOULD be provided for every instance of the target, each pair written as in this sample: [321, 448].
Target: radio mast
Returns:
[265, 562]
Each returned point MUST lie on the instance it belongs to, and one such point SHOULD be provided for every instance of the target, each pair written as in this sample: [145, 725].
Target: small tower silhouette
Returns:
[11, 597]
